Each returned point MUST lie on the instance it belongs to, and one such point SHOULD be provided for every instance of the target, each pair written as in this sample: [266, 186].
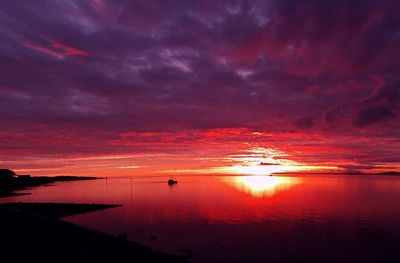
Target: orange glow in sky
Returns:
[214, 151]
[236, 84]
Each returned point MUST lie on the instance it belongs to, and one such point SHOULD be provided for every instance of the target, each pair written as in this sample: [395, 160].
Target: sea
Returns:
[308, 218]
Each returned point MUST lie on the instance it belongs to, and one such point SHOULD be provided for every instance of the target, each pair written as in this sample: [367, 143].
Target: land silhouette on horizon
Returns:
[11, 182]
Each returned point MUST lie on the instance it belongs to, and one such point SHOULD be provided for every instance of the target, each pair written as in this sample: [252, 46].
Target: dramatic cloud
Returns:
[97, 78]
[374, 114]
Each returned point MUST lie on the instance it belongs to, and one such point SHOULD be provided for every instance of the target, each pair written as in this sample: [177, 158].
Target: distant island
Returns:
[380, 173]
[388, 173]
[391, 173]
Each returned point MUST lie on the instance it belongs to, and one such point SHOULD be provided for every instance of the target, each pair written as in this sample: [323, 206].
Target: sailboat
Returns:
[172, 181]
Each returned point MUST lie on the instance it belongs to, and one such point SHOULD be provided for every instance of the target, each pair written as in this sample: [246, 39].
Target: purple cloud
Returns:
[97, 69]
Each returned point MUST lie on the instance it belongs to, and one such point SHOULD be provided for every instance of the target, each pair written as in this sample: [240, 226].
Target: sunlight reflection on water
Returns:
[263, 186]
[253, 218]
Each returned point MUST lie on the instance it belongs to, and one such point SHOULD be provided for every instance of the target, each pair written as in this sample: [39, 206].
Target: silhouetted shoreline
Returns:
[30, 232]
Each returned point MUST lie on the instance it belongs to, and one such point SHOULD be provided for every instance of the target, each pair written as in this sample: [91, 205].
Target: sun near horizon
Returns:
[99, 88]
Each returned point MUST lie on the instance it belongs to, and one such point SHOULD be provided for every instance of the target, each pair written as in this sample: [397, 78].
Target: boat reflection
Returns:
[260, 186]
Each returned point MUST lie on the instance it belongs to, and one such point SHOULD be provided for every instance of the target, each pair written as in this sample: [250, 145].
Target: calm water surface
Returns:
[246, 218]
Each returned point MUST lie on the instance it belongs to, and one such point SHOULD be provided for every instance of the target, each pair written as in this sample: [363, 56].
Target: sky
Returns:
[170, 87]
